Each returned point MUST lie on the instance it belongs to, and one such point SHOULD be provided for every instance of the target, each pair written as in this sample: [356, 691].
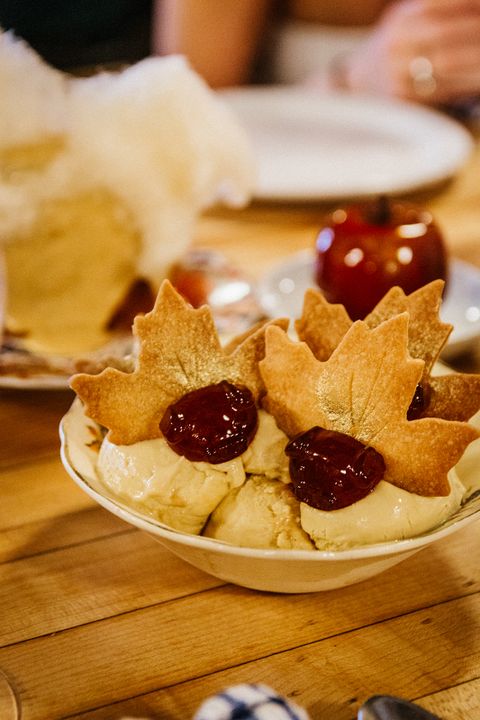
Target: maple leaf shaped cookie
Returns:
[179, 351]
[456, 396]
[364, 390]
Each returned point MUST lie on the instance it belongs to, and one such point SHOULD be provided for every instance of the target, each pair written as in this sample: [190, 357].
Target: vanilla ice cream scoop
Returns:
[261, 513]
[153, 478]
[265, 514]
[178, 492]
[388, 513]
[265, 455]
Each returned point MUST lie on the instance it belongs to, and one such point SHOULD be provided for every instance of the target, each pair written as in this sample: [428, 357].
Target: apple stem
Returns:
[381, 214]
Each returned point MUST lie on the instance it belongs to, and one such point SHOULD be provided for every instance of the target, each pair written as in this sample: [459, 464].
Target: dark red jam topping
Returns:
[330, 470]
[419, 403]
[214, 424]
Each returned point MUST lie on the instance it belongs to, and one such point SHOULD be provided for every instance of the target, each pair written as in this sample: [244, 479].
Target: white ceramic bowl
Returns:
[285, 571]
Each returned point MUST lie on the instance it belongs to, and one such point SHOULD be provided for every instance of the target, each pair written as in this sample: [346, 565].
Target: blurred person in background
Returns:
[423, 50]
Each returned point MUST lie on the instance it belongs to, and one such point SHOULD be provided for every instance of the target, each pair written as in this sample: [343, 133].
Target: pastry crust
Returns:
[322, 326]
[179, 351]
[364, 390]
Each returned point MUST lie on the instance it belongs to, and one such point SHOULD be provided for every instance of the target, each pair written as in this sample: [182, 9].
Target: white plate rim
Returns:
[252, 102]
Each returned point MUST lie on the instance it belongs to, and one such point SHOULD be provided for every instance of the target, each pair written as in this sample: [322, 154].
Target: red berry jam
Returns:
[330, 470]
[419, 403]
[213, 424]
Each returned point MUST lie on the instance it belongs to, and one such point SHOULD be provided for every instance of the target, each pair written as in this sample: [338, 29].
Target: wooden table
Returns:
[98, 621]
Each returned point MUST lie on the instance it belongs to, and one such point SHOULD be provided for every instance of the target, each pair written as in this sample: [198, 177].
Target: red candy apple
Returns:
[365, 249]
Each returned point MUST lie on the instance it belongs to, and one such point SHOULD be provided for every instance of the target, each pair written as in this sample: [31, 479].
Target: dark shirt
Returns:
[81, 33]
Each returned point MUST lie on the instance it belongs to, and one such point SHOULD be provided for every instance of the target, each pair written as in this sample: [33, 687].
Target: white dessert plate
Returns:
[283, 571]
[28, 370]
[281, 292]
[312, 146]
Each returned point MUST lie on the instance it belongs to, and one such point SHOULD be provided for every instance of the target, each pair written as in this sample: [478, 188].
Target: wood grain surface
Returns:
[98, 621]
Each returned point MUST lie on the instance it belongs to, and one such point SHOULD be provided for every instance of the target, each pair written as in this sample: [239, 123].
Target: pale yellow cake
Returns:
[102, 180]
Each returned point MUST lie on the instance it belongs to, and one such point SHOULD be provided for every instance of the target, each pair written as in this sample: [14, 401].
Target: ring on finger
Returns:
[420, 70]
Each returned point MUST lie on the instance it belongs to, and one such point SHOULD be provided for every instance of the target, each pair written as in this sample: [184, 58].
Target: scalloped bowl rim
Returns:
[155, 527]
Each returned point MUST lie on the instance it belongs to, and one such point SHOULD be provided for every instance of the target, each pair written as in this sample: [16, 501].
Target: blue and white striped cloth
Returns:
[259, 702]
[249, 702]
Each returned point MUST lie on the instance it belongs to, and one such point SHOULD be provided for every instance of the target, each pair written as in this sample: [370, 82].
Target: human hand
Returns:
[424, 50]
